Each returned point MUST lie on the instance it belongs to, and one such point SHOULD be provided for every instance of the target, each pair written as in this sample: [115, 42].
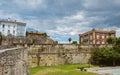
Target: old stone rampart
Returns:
[57, 54]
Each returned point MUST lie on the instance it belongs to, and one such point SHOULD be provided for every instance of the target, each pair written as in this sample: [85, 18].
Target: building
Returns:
[12, 27]
[96, 37]
[30, 33]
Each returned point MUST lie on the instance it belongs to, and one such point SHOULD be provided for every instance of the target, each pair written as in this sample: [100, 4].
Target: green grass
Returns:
[70, 73]
[68, 69]
[70, 66]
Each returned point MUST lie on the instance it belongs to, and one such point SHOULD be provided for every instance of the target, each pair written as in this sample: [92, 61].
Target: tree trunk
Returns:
[113, 62]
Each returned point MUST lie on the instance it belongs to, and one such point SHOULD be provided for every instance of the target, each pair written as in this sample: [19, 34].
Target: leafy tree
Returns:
[56, 42]
[118, 41]
[111, 40]
[45, 35]
[105, 56]
[117, 48]
[74, 42]
[69, 39]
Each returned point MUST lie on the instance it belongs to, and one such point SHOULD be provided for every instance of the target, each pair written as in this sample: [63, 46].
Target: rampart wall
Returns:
[57, 54]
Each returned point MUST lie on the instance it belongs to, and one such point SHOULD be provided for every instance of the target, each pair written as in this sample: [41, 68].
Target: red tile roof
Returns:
[36, 33]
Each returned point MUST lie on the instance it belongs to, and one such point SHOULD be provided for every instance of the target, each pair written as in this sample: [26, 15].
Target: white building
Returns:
[12, 27]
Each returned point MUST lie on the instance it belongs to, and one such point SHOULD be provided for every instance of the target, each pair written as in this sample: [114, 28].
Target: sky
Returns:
[62, 19]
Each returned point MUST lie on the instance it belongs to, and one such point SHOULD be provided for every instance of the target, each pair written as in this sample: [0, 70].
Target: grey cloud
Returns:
[73, 16]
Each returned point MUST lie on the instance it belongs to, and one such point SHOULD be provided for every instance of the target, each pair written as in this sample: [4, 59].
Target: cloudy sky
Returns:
[62, 19]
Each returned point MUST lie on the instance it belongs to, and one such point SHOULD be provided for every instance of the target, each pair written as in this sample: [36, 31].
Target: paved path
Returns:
[95, 70]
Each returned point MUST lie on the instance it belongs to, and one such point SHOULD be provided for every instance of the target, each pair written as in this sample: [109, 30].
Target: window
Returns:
[13, 31]
[103, 36]
[103, 42]
[3, 26]
[90, 37]
[3, 30]
[98, 42]
[14, 26]
[107, 36]
[8, 26]
[98, 36]
[8, 31]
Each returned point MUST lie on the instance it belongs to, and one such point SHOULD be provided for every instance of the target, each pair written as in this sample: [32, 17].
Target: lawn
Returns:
[68, 69]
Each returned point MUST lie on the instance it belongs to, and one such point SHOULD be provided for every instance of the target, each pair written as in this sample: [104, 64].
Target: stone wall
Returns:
[57, 54]
[20, 40]
[13, 61]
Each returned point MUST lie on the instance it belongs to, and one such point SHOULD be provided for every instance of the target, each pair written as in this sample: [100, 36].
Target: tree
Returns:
[117, 41]
[111, 40]
[56, 42]
[69, 39]
[105, 56]
[27, 33]
[74, 42]
[45, 35]
[0, 38]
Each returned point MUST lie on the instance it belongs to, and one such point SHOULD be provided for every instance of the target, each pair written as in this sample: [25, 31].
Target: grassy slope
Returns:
[69, 69]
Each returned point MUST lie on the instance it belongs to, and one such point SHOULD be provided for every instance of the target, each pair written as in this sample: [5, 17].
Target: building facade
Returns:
[12, 27]
[96, 37]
